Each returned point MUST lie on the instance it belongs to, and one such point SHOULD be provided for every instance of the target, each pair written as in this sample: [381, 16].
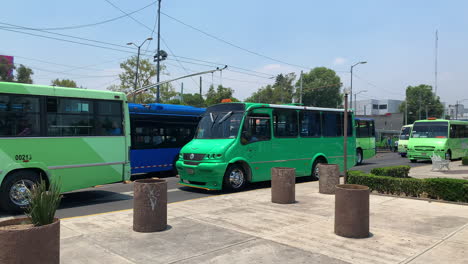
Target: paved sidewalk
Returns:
[247, 228]
[457, 171]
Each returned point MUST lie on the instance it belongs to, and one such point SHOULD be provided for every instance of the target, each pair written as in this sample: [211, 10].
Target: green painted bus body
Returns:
[75, 161]
[450, 139]
[365, 137]
[403, 140]
[367, 145]
[259, 157]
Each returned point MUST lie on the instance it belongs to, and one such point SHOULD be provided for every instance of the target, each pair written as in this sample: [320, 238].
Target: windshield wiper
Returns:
[212, 118]
[226, 116]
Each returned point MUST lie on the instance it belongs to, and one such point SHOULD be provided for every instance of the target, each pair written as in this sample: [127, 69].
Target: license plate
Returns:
[190, 171]
[424, 154]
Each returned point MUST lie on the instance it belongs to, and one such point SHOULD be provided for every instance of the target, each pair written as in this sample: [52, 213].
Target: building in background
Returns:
[374, 107]
[456, 111]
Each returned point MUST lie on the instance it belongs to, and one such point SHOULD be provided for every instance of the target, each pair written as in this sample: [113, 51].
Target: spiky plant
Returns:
[43, 203]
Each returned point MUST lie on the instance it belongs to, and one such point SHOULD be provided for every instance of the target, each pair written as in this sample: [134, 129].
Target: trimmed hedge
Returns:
[437, 188]
[392, 171]
[465, 160]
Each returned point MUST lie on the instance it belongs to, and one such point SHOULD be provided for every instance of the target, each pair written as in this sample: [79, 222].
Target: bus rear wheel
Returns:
[14, 192]
[315, 169]
[448, 155]
[235, 178]
[359, 157]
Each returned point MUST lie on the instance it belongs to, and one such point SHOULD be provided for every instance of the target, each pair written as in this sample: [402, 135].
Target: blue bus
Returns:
[158, 132]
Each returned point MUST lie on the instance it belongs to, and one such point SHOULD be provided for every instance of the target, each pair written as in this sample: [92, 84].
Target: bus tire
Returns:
[235, 178]
[448, 155]
[359, 156]
[413, 160]
[14, 188]
[315, 173]
[403, 155]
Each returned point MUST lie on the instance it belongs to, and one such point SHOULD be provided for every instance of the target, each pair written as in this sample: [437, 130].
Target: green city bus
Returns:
[365, 139]
[403, 140]
[445, 138]
[76, 137]
[236, 143]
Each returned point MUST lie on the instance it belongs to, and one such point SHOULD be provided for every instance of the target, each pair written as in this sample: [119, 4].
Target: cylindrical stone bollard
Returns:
[149, 205]
[352, 210]
[283, 185]
[329, 177]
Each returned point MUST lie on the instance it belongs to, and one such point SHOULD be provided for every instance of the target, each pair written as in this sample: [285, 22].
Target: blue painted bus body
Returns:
[159, 131]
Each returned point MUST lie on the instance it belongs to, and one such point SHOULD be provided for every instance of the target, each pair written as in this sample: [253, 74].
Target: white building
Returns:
[456, 112]
[376, 107]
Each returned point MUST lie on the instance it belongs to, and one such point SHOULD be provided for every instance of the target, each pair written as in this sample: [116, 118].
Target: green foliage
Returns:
[465, 160]
[64, 83]
[215, 96]
[193, 100]
[279, 93]
[23, 74]
[43, 203]
[438, 188]
[5, 69]
[321, 88]
[392, 171]
[420, 98]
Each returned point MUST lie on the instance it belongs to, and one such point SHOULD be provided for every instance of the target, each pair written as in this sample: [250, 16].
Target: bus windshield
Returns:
[405, 133]
[430, 130]
[219, 125]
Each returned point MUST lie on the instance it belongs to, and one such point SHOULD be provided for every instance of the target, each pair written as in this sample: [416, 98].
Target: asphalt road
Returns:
[119, 196]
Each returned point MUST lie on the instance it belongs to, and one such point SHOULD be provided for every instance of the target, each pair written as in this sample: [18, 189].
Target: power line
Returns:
[371, 84]
[96, 23]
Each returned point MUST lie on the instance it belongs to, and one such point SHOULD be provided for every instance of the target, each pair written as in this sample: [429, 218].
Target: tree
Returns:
[321, 88]
[193, 100]
[421, 99]
[215, 96]
[279, 93]
[6, 70]
[64, 83]
[23, 74]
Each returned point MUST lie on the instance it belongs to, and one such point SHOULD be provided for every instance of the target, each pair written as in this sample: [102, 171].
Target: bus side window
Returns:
[310, 124]
[332, 124]
[256, 128]
[285, 123]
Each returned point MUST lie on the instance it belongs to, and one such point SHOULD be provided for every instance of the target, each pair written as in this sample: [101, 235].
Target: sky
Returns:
[257, 39]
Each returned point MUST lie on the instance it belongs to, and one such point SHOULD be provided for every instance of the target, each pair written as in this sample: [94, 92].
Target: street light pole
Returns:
[138, 63]
[158, 61]
[355, 99]
[351, 90]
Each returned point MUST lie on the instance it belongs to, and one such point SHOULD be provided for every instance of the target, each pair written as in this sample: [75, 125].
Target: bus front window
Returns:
[219, 125]
[430, 130]
[405, 132]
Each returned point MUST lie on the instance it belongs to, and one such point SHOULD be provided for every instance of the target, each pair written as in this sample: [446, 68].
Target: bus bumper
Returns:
[207, 176]
[422, 155]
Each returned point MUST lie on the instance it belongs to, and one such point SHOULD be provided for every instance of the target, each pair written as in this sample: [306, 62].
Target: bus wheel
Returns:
[235, 178]
[14, 192]
[315, 169]
[448, 155]
[413, 160]
[359, 157]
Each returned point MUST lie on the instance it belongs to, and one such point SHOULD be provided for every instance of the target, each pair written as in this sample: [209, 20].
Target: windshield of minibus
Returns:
[430, 130]
[219, 125]
[405, 133]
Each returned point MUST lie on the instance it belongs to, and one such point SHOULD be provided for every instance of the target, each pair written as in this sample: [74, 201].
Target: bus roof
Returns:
[260, 105]
[443, 120]
[363, 118]
[411, 125]
[34, 89]
[164, 109]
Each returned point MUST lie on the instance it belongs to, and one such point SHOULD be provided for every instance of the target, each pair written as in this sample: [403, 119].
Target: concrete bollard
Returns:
[352, 211]
[149, 205]
[329, 177]
[283, 185]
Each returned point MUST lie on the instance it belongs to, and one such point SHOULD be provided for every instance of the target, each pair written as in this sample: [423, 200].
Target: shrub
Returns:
[437, 188]
[43, 203]
[465, 160]
[392, 171]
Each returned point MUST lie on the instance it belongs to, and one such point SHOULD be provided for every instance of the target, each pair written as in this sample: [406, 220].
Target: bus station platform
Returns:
[457, 171]
[246, 227]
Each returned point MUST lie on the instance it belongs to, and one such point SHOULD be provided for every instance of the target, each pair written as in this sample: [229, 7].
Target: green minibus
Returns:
[445, 138]
[365, 139]
[403, 140]
[237, 143]
[77, 137]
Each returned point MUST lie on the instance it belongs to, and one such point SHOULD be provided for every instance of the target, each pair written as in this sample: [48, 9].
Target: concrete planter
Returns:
[352, 210]
[150, 205]
[329, 177]
[283, 185]
[39, 244]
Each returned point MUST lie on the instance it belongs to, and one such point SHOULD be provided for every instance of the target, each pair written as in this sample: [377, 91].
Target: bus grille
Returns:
[195, 156]
[424, 148]
[191, 163]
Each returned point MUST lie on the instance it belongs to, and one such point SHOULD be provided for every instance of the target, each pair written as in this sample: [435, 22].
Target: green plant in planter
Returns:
[465, 160]
[44, 201]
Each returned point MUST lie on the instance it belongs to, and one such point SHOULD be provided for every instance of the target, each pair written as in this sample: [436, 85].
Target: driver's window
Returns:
[256, 128]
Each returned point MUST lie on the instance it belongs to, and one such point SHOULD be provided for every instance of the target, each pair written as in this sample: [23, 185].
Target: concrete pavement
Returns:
[457, 171]
[247, 228]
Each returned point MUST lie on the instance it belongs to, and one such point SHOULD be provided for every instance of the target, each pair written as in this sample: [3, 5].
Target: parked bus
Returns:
[159, 131]
[78, 137]
[236, 143]
[365, 139]
[446, 138]
[403, 140]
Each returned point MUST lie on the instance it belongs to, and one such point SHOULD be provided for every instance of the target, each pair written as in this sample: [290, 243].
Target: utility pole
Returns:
[419, 106]
[300, 98]
[158, 66]
[345, 138]
[406, 111]
[201, 96]
[351, 92]
[456, 109]
[182, 92]
[436, 53]
[138, 64]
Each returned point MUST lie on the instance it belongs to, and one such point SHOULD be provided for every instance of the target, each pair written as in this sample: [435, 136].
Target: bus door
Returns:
[256, 144]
